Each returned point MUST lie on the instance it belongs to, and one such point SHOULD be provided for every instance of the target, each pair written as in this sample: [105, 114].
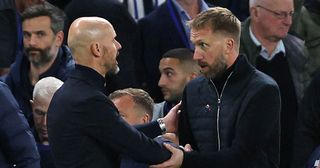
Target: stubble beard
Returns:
[217, 69]
[40, 60]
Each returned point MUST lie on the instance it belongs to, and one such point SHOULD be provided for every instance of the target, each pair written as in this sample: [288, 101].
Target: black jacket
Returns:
[85, 129]
[125, 28]
[307, 137]
[239, 127]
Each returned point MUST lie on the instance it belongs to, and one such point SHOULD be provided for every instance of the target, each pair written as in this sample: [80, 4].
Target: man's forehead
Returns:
[37, 23]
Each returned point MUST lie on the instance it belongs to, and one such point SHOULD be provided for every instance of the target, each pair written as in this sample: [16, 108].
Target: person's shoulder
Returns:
[197, 82]
[292, 39]
[68, 56]
[3, 87]
[263, 79]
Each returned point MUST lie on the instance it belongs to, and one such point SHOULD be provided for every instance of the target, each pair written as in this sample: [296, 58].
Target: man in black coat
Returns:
[126, 27]
[85, 128]
[230, 115]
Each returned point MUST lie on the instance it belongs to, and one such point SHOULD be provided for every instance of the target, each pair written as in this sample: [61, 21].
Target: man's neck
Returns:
[269, 44]
[191, 6]
[36, 71]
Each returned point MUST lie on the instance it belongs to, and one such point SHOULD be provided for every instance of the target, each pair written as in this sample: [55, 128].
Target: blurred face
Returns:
[111, 47]
[40, 43]
[209, 51]
[128, 110]
[173, 79]
[40, 107]
[273, 19]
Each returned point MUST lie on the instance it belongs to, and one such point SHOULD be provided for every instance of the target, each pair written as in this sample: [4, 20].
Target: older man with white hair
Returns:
[42, 95]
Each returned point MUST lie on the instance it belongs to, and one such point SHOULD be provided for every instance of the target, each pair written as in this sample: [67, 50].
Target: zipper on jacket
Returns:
[218, 111]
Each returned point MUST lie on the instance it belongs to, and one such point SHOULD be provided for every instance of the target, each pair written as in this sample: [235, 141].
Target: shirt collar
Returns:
[264, 53]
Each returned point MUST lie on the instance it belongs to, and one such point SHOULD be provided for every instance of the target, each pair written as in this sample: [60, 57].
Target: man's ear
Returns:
[253, 12]
[59, 38]
[146, 118]
[96, 49]
[229, 45]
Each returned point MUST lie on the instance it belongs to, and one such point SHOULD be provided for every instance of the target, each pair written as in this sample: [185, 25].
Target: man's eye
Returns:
[26, 35]
[169, 74]
[203, 45]
[40, 34]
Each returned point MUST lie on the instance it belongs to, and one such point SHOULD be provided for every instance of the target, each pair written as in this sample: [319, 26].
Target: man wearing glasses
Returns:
[268, 46]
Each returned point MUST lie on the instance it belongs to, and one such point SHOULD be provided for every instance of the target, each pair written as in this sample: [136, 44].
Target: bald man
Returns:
[85, 128]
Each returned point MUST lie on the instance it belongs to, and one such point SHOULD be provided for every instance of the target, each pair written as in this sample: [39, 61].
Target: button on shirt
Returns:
[264, 52]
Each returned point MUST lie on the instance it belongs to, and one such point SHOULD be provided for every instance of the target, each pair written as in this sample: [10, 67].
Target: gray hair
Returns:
[46, 87]
[55, 14]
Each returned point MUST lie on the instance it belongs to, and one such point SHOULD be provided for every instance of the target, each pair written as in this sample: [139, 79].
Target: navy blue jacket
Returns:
[238, 127]
[86, 130]
[17, 145]
[19, 83]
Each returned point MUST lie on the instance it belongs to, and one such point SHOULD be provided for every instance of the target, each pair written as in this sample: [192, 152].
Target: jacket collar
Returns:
[89, 76]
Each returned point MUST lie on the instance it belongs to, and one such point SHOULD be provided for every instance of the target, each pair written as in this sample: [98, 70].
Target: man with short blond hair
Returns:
[230, 115]
[134, 105]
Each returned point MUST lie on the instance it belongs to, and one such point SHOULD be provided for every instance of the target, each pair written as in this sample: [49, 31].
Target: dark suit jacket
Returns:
[125, 28]
[85, 129]
[158, 33]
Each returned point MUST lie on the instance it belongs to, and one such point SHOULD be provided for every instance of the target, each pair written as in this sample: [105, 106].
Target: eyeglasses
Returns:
[280, 15]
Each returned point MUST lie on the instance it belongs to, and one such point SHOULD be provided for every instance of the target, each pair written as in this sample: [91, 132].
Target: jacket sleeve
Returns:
[110, 130]
[307, 136]
[17, 142]
[185, 135]
[253, 130]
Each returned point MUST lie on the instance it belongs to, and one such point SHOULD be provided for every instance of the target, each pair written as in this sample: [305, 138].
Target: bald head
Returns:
[253, 3]
[84, 31]
[93, 44]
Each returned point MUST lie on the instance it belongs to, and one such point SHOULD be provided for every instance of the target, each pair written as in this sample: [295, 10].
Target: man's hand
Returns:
[171, 119]
[174, 162]
[171, 137]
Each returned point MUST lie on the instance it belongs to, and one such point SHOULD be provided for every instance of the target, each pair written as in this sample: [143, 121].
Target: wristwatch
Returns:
[162, 125]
